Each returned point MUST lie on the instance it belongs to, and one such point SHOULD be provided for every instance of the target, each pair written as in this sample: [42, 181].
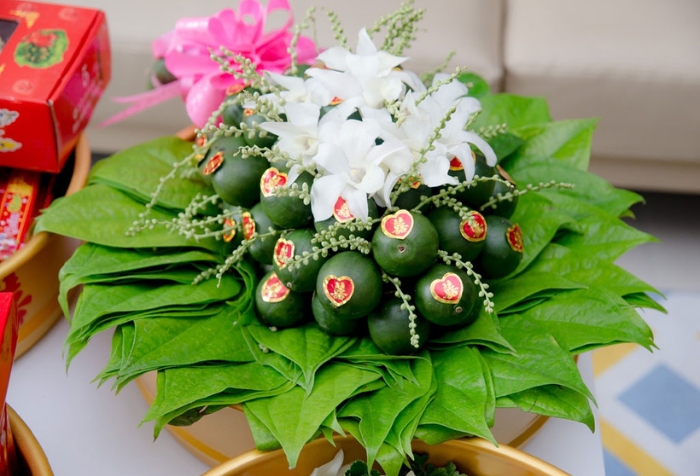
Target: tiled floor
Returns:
[650, 402]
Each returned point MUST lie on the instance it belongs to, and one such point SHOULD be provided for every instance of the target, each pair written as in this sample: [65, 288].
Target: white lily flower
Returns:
[299, 90]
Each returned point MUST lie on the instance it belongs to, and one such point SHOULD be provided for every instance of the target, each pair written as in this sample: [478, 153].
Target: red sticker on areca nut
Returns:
[273, 290]
[456, 165]
[448, 289]
[515, 238]
[270, 180]
[284, 251]
[397, 225]
[214, 163]
[338, 290]
[341, 211]
[247, 112]
[248, 225]
[473, 228]
[335, 101]
[230, 234]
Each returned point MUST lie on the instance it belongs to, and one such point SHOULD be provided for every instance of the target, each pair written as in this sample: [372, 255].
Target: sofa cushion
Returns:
[635, 64]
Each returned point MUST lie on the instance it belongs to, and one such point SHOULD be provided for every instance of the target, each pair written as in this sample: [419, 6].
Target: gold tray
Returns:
[474, 456]
[32, 272]
[31, 458]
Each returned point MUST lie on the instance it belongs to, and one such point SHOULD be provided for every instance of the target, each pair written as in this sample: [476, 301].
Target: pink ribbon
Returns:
[200, 81]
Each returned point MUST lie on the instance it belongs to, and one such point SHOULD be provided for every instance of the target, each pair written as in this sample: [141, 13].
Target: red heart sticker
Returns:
[214, 163]
[284, 251]
[341, 211]
[248, 225]
[270, 180]
[515, 238]
[273, 290]
[448, 289]
[338, 290]
[473, 228]
[231, 233]
[456, 165]
[397, 225]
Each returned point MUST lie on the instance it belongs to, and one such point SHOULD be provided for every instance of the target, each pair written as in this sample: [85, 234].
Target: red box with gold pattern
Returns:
[8, 342]
[55, 64]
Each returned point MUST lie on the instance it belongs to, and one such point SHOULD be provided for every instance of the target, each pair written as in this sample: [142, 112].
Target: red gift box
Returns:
[55, 64]
[9, 326]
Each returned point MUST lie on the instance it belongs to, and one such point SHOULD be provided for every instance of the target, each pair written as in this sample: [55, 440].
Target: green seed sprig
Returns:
[427, 77]
[513, 193]
[292, 50]
[453, 189]
[337, 28]
[438, 85]
[302, 192]
[476, 277]
[493, 130]
[406, 306]
[333, 244]
[352, 225]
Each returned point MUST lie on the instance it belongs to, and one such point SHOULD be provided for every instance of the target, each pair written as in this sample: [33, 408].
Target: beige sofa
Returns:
[635, 64]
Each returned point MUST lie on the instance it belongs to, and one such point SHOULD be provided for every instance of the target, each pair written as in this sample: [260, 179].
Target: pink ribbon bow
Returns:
[200, 81]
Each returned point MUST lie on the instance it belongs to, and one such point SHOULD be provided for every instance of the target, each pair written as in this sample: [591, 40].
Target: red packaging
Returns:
[9, 326]
[17, 208]
[55, 63]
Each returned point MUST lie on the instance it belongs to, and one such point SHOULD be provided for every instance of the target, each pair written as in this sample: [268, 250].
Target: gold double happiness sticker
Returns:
[270, 180]
[248, 225]
[397, 225]
[515, 238]
[229, 223]
[341, 211]
[214, 163]
[473, 228]
[448, 289]
[273, 290]
[338, 290]
[284, 252]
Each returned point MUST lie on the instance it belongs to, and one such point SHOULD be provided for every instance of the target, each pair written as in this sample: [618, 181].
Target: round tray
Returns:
[31, 458]
[473, 456]
[32, 272]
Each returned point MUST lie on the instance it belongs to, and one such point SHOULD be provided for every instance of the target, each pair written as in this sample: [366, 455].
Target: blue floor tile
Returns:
[666, 401]
[615, 467]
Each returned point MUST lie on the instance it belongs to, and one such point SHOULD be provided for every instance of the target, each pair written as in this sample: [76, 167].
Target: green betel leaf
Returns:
[582, 267]
[172, 342]
[539, 221]
[588, 187]
[528, 285]
[186, 385]
[554, 401]
[514, 111]
[568, 141]
[540, 360]
[482, 332]
[378, 411]
[461, 396]
[108, 219]
[307, 346]
[295, 417]
[505, 144]
[478, 87]
[137, 172]
[585, 319]
[642, 300]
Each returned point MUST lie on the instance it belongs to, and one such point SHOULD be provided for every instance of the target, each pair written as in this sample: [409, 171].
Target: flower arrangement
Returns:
[350, 247]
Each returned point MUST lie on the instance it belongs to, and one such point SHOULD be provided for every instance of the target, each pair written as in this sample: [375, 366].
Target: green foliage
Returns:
[566, 297]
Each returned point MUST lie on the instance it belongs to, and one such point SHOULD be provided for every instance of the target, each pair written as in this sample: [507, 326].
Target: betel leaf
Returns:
[478, 87]
[182, 386]
[307, 346]
[461, 396]
[514, 111]
[568, 141]
[540, 220]
[172, 342]
[582, 267]
[262, 436]
[294, 417]
[586, 318]
[539, 360]
[505, 144]
[138, 170]
[108, 219]
[642, 300]
[527, 285]
[482, 332]
[553, 401]
[588, 187]
[378, 411]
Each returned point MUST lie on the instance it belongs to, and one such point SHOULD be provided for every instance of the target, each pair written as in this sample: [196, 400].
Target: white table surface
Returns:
[89, 431]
